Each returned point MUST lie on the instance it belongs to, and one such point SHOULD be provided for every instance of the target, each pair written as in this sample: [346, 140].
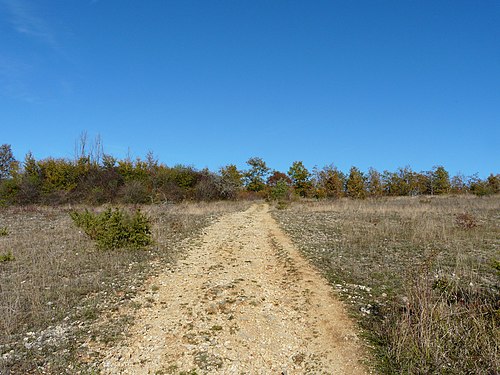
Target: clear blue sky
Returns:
[208, 83]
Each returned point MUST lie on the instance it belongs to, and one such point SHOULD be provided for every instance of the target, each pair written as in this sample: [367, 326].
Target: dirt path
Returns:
[243, 301]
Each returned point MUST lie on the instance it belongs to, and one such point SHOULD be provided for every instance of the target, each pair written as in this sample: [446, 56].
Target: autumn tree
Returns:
[277, 176]
[331, 181]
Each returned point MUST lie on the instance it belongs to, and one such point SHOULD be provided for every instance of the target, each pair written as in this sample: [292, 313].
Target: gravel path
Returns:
[242, 301]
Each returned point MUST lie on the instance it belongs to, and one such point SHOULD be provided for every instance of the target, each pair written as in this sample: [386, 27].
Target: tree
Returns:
[231, 181]
[276, 177]
[31, 167]
[232, 175]
[356, 184]
[406, 181]
[389, 183]
[280, 191]
[402, 182]
[440, 181]
[300, 178]
[31, 181]
[108, 162]
[7, 161]
[421, 182]
[256, 175]
[374, 183]
[208, 187]
[151, 162]
[458, 184]
[331, 181]
[493, 182]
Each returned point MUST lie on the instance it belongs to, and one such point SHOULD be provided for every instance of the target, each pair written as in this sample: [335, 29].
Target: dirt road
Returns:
[242, 301]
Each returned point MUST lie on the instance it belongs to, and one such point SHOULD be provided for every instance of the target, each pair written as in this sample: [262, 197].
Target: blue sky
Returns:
[368, 83]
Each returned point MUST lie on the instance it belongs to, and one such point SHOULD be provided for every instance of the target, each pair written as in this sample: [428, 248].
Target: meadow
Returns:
[420, 275]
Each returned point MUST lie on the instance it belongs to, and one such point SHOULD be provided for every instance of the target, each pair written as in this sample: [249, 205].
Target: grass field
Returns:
[420, 274]
[55, 283]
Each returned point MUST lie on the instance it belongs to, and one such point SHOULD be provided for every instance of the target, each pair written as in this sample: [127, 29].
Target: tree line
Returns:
[94, 177]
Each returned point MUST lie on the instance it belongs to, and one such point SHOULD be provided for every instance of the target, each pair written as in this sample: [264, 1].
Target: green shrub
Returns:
[116, 228]
[4, 231]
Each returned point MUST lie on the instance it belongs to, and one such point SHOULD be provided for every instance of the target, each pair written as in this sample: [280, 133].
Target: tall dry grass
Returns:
[419, 274]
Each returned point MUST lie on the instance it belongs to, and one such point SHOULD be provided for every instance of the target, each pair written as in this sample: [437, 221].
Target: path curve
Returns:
[242, 301]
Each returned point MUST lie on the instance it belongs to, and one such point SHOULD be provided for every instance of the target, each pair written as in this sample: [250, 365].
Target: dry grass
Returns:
[419, 274]
[59, 283]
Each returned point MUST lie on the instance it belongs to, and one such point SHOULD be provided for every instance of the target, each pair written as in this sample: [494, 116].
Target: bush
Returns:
[114, 229]
[29, 190]
[135, 192]
[207, 189]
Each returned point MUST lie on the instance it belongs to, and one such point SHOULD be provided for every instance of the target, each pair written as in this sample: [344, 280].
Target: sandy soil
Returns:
[242, 301]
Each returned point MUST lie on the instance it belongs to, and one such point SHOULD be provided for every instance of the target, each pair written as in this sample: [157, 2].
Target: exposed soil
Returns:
[242, 301]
